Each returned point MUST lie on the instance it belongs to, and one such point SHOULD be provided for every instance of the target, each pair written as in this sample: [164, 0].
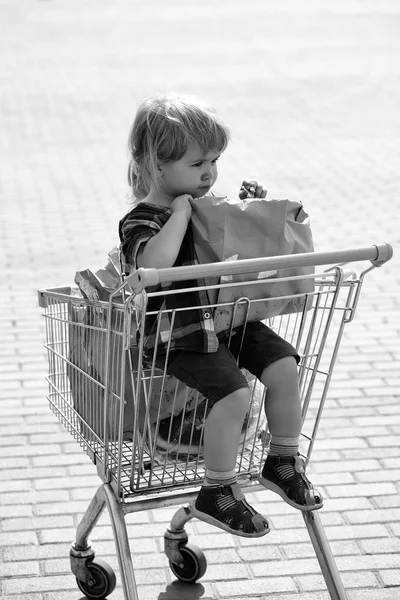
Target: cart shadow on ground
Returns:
[177, 590]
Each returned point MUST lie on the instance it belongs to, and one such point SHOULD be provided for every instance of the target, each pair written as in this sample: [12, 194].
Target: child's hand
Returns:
[252, 189]
[182, 204]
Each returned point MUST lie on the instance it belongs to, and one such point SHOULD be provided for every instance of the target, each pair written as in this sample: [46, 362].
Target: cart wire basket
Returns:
[143, 429]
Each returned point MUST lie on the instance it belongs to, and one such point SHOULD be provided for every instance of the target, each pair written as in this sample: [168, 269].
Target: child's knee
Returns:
[241, 401]
[281, 372]
[242, 396]
[236, 402]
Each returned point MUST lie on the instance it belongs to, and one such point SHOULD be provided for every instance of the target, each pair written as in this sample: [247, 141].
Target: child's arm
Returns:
[162, 250]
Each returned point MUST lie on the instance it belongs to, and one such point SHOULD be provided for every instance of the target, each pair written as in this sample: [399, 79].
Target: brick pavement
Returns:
[311, 91]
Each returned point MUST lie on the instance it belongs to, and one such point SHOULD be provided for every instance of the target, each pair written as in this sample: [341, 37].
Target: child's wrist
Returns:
[183, 215]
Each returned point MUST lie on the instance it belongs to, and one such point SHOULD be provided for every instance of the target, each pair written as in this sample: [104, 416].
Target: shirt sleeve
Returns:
[133, 233]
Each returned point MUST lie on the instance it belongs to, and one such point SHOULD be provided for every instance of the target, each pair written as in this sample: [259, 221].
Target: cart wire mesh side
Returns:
[143, 429]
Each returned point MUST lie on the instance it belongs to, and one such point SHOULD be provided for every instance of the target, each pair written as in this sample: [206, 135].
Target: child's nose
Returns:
[208, 173]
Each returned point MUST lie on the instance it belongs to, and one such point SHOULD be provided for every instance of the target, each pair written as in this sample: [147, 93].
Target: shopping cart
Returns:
[143, 429]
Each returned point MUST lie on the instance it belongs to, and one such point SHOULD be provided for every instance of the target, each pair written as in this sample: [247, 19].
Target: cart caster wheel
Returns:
[104, 580]
[194, 564]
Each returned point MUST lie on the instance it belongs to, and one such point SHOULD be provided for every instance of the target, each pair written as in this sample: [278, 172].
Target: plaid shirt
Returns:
[192, 329]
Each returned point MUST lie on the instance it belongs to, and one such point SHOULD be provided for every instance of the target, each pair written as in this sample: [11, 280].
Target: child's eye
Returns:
[201, 162]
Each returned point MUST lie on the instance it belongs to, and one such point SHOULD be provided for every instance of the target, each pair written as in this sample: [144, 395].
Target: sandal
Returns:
[286, 476]
[226, 507]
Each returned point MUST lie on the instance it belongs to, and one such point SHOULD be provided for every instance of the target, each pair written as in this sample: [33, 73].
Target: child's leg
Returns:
[282, 400]
[220, 500]
[284, 470]
[222, 430]
[273, 360]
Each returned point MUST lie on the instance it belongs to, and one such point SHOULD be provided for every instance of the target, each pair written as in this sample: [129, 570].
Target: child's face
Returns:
[195, 173]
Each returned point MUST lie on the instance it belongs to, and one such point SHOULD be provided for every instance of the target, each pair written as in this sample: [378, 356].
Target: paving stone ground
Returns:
[311, 91]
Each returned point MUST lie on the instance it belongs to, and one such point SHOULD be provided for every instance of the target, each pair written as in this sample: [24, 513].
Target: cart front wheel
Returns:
[194, 564]
[103, 580]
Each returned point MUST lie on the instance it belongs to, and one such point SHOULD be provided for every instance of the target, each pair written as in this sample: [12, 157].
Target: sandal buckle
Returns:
[299, 464]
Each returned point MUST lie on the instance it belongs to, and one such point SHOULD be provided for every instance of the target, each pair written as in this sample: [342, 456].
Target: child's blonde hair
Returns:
[163, 129]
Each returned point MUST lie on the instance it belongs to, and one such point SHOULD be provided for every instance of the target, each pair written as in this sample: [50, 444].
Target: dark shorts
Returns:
[218, 374]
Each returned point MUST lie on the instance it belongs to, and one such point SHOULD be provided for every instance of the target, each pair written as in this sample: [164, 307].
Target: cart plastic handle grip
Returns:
[143, 278]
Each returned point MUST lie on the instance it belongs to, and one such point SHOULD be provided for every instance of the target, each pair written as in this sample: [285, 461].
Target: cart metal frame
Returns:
[135, 475]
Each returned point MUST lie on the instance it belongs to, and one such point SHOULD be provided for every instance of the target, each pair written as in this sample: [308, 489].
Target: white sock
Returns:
[219, 477]
[283, 446]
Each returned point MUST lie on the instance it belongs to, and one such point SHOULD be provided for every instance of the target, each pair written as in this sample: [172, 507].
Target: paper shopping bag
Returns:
[230, 229]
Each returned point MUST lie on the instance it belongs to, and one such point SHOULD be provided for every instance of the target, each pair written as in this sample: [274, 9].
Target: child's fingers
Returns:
[259, 190]
[251, 188]
[248, 188]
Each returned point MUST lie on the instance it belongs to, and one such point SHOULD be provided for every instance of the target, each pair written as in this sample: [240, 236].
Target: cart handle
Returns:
[142, 278]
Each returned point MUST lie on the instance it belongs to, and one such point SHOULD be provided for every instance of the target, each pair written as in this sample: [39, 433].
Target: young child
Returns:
[175, 144]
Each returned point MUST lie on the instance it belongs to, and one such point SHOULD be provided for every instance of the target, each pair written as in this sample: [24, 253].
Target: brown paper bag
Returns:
[230, 229]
